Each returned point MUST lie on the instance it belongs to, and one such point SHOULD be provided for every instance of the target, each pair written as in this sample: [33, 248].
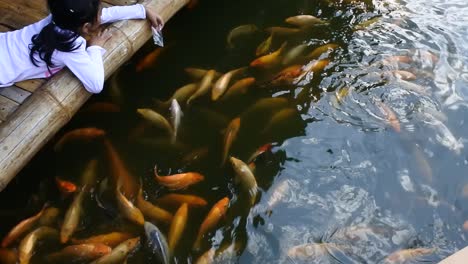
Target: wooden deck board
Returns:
[15, 16]
[7, 106]
[15, 94]
[31, 85]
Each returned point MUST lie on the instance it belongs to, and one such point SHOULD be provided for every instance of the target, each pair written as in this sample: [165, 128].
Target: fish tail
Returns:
[197, 244]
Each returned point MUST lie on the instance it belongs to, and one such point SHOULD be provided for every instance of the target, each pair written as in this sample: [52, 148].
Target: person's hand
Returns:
[100, 38]
[156, 21]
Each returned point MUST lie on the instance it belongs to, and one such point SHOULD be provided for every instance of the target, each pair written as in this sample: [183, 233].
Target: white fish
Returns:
[446, 138]
[176, 117]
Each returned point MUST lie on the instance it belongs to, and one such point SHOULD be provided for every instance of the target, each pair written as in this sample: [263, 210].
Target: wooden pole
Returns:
[53, 105]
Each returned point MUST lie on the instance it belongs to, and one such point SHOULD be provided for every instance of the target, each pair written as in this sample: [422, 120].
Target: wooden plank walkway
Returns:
[31, 112]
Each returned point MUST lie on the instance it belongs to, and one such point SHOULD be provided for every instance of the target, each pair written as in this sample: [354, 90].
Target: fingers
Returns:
[160, 22]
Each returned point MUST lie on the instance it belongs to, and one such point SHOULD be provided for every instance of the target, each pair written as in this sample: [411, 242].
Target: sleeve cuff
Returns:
[142, 11]
[97, 48]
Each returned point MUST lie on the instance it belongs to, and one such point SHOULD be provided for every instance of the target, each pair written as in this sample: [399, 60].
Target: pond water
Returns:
[369, 158]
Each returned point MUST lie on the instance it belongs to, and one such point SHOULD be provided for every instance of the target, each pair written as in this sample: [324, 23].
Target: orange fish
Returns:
[397, 59]
[260, 151]
[86, 134]
[174, 199]
[178, 181]
[390, 116]
[112, 239]
[8, 256]
[316, 53]
[192, 4]
[238, 88]
[211, 220]
[83, 252]
[229, 137]
[149, 60]
[270, 60]
[65, 187]
[151, 211]
[120, 172]
[288, 75]
[21, 228]
[177, 226]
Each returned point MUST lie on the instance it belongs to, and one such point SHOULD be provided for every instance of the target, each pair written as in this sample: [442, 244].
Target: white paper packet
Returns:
[157, 37]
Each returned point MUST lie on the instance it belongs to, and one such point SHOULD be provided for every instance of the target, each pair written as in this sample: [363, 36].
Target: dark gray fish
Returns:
[157, 243]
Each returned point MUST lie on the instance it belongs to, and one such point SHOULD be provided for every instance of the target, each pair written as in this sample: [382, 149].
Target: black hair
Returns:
[68, 16]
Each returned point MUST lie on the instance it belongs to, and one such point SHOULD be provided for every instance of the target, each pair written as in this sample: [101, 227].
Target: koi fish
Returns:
[211, 220]
[111, 239]
[294, 54]
[204, 86]
[82, 252]
[314, 67]
[192, 4]
[366, 24]
[128, 210]
[279, 119]
[212, 118]
[264, 47]
[120, 172]
[305, 21]
[391, 117]
[157, 243]
[174, 199]
[178, 181]
[149, 60]
[176, 117]
[229, 137]
[49, 216]
[259, 151]
[85, 134]
[238, 88]
[283, 31]
[177, 227]
[21, 228]
[151, 211]
[156, 119]
[65, 187]
[405, 255]
[287, 76]
[265, 105]
[197, 73]
[88, 178]
[317, 53]
[8, 256]
[222, 83]
[72, 217]
[207, 257]
[403, 75]
[119, 253]
[278, 194]
[270, 60]
[181, 95]
[27, 245]
[240, 31]
[312, 251]
[245, 178]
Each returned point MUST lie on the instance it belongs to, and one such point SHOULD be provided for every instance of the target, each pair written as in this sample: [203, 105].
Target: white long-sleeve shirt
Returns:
[85, 62]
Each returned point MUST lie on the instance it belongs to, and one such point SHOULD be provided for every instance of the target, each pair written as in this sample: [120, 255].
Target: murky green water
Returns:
[340, 172]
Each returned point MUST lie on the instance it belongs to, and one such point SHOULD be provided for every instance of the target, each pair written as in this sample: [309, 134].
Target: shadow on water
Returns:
[363, 140]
